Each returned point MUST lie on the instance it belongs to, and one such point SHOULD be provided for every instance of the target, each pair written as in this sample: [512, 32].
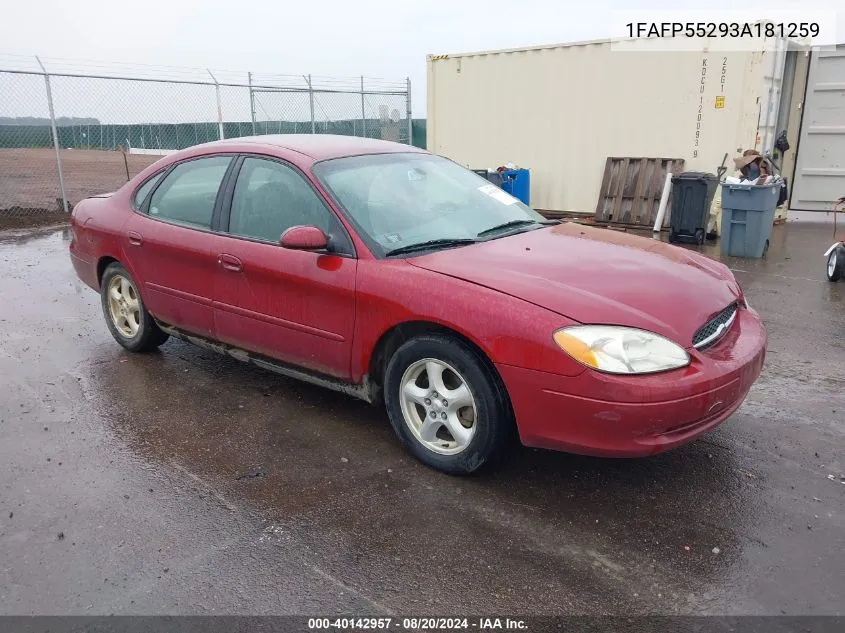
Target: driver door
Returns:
[294, 306]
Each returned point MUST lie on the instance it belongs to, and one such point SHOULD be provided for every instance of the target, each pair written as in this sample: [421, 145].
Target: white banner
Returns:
[734, 30]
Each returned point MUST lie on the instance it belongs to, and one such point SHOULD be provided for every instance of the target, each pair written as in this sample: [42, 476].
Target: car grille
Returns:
[715, 328]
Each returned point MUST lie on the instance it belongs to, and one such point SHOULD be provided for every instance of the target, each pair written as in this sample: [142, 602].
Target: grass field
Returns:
[29, 182]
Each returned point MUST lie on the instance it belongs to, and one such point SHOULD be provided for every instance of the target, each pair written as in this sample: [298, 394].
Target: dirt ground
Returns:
[29, 182]
[31, 218]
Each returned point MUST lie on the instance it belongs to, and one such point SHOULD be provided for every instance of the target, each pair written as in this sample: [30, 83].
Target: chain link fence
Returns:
[69, 131]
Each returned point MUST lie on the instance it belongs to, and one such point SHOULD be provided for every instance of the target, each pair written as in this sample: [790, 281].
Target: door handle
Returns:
[135, 238]
[230, 262]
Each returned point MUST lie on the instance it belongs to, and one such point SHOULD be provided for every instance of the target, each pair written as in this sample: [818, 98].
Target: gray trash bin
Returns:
[748, 212]
[493, 176]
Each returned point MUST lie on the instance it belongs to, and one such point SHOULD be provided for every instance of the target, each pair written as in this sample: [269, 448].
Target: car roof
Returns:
[316, 146]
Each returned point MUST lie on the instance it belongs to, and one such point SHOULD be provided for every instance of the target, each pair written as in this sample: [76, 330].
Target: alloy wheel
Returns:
[438, 406]
[124, 306]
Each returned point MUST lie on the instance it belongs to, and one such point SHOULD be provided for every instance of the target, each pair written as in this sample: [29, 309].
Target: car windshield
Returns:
[399, 201]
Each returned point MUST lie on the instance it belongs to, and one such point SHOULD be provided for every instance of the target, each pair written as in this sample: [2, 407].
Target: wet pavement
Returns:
[185, 482]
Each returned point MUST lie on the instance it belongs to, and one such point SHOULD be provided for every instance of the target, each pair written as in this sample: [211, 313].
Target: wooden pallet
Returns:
[631, 189]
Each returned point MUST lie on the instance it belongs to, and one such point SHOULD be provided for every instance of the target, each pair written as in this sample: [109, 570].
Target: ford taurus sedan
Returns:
[397, 276]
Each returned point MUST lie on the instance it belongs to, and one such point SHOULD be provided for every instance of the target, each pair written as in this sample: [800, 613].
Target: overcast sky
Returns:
[388, 39]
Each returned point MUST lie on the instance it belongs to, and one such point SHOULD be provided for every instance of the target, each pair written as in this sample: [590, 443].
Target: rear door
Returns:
[171, 244]
[294, 306]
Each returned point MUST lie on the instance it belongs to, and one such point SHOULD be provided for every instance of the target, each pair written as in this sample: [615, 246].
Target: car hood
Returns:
[595, 275]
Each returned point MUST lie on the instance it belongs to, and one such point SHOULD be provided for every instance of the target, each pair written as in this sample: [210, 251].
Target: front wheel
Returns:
[128, 320]
[446, 405]
[836, 264]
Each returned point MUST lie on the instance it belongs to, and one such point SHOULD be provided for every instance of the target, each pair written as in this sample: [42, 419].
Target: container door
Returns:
[820, 170]
[771, 98]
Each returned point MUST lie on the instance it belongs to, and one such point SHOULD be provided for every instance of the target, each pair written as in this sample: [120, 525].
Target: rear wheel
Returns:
[128, 320]
[446, 405]
[836, 264]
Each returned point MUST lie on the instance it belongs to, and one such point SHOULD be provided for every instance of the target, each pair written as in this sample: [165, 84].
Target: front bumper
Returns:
[635, 416]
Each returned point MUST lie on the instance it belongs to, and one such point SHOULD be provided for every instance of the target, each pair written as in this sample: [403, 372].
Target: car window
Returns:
[188, 192]
[400, 199]
[270, 197]
[144, 190]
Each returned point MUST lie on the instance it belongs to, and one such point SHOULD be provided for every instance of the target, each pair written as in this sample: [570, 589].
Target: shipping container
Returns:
[562, 110]
[820, 172]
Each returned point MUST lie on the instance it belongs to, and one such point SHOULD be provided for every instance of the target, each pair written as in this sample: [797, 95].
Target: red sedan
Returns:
[397, 276]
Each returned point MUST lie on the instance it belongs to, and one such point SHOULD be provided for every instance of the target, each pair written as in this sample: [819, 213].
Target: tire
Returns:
[699, 236]
[766, 248]
[836, 264]
[126, 316]
[480, 407]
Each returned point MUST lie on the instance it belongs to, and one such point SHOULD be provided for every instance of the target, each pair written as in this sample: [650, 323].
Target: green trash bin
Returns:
[748, 213]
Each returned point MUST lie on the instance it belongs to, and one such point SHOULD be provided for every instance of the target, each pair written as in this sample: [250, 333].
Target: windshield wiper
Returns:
[513, 224]
[421, 246]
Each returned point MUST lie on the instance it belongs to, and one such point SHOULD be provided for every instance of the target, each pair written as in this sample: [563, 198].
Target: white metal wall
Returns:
[772, 89]
[820, 170]
[562, 110]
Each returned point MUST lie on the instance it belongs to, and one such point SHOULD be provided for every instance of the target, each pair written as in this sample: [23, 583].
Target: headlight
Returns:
[620, 350]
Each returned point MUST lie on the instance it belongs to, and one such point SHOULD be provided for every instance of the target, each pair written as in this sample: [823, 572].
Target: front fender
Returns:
[508, 330]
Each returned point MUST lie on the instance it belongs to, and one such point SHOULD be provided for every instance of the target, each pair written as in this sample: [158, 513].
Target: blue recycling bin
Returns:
[517, 182]
[748, 213]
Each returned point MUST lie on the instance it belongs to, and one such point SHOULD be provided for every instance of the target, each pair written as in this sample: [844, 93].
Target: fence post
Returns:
[251, 103]
[55, 133]
[220, 134]
[408, 112]
[311, 100]
[363, 111]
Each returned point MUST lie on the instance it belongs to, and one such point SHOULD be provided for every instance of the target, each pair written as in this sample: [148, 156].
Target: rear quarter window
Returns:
[144, 190]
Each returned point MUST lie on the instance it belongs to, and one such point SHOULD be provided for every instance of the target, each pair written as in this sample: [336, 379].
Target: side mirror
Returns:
[304, 238]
